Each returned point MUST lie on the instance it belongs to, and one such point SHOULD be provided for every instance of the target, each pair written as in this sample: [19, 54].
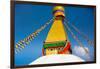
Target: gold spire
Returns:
[57, 31]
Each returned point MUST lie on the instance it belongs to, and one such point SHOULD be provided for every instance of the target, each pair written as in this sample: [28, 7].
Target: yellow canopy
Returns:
[58, 8]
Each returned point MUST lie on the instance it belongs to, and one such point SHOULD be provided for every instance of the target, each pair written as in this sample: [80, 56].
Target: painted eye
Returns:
[58, 48]
[51, 49]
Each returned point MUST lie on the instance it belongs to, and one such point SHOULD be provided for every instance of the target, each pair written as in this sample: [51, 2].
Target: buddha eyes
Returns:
[59, 49]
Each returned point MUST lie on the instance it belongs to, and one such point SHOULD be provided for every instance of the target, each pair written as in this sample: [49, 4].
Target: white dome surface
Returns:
[61, 58]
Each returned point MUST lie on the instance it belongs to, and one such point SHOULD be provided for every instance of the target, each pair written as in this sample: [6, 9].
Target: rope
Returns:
[21, 44]
[82, 34]
[79, 42]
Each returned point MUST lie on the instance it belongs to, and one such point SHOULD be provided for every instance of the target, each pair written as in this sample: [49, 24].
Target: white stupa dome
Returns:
[61, 58]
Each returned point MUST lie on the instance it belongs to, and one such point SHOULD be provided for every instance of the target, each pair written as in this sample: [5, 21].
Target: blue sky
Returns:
[30, 17]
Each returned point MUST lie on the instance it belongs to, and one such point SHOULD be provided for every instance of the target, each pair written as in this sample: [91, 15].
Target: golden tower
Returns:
[57, 40]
